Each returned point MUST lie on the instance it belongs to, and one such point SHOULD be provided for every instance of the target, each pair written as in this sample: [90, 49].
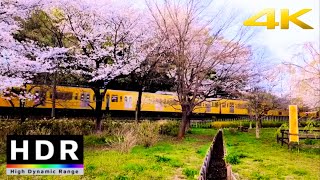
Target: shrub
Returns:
[310, 141]
[235, 124]
[125, 138]
[233, 131]
[190, 173]
[148, 133]
[170, 128]
[233, 158]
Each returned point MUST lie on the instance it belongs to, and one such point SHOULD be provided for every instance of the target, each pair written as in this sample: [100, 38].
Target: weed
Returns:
[162, 158]
[170, 128]
[233, 158]
[258, 176]
[190, 173]
[309, 141]
[175, 163]
[147, 133]
[233, 131]
[300, 172]
[121, 177]
[136, 168]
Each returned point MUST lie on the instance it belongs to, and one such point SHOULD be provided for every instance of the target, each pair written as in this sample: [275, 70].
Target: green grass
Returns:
[168, 159]
[172, 159]
[265, 159]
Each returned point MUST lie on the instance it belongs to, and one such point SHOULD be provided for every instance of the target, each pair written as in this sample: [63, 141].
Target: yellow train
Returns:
[118, 101]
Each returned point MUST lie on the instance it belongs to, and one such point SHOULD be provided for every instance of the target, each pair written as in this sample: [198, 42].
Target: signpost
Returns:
[293, 124]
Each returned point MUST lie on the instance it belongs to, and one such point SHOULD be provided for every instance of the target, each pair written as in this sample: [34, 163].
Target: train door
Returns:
[85, 99]
[127, 102]
[208, 107]
[108, 102]
[231, 107]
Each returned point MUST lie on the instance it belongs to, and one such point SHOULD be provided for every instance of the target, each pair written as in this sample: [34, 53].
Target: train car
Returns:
[81, 99]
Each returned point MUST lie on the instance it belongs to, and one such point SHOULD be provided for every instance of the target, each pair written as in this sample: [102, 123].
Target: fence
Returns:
[214, 165]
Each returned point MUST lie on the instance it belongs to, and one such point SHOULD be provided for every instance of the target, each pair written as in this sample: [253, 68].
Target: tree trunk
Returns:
[184, 122]
[138, 106]
[188, 125]
[22, 113]
[54, 95]
[98, 111]
[257, 128]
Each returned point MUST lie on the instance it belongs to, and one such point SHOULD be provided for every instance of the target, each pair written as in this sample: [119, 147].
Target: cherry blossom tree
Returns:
[304, 69]
[202, 59]
[15, 67]
[108, 41]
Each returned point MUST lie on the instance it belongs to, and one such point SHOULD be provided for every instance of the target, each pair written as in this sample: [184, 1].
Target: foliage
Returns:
[310, 141]
[55, 127]
[190, 173]
[170, 128]
[15, 67]
[284, 126]
[233, 158]
[310, 125]
[235, 124]
[233, 131]
[148, 133]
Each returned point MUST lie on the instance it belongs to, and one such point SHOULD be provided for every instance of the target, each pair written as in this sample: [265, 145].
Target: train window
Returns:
[94, 97]
[231, 104]
[114, 98]
[82, 97]
[214, 104]
[280, 113]
[62, 95]
[223, 105]
[120, 98]
[76, 96]
[88, 97]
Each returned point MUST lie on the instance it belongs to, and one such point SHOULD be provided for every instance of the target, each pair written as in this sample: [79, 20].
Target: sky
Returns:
[279, 45]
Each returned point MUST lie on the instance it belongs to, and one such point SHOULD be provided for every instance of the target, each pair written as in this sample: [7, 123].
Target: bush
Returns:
[310, 141]
[121, 135]
[148, 133]
[56, 127]
[235, 124]
[233, 158]
[233, 131]
[125, 138]
[170, 128]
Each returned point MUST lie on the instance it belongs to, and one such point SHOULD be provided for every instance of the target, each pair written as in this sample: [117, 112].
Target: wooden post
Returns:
[293, 124]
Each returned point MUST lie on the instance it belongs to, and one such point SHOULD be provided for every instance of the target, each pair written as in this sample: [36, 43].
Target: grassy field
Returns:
[172, 159]
[265, 159]
[169, 159]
